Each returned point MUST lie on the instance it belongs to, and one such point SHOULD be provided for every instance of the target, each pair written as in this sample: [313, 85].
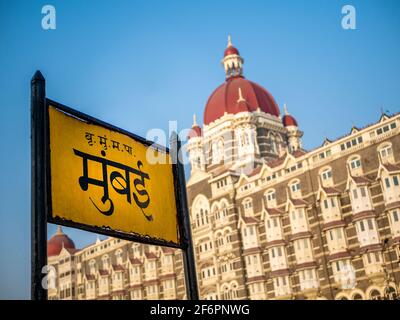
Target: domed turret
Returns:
[289, 121]
[195, 131]
[58, 241]
[293, 133]
[225, 100]
[232, 61]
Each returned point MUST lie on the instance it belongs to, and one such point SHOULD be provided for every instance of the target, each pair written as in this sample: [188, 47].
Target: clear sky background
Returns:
[139, 64]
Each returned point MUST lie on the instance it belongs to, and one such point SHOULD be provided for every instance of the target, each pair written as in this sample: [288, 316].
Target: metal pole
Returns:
[38, 185]
[183, 213]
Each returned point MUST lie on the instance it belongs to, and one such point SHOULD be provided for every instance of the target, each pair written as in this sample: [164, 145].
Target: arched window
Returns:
[245, 141]
[273, 144]
[215, 211]
[106, 262]
[220, 239]
[221, 149]
[224, 209]
[357, 296]
[234, 292]
[375, 295]
[326, 175]
[225, 292]
[385, 151]
[217, 151]
[92, 266]
[295, 188]
[136, 249]
[355, 165]
[200, 210]
[270, 198]
[118, 256]
[278, 144]
[248, 207]
[390, 293]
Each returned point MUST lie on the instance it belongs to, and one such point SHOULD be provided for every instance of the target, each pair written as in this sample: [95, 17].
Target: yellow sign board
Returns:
[101, 178]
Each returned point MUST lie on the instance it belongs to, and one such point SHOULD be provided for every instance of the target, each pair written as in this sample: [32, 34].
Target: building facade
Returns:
[113, 269]
[269, 219]
[273, 221]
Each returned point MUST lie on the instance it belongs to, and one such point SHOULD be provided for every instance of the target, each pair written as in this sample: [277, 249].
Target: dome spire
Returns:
[229, 41]
[285, 111]
[59, 230]
[194, 120]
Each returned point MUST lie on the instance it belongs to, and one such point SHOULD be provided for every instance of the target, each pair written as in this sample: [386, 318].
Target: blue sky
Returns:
[139, 64]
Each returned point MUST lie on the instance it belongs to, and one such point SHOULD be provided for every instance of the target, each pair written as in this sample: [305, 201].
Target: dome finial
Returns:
[194, 120]
[229, 41]
[285, 109]
[241, 99]
[59, 230]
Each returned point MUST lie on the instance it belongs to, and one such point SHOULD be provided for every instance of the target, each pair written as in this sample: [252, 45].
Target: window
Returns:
[351, 143]
[336, 234]
[92, 266]
[217, 151]
[367, 232]
[106, 262]
[327, 174]
[295, 186]
[277, 258]
[118, 256]
[271, 196]
[281, 286]
[362, 228]
[395, 216]
[200, 211]
[324, 154]
[250, 236]
[221, 183]
[202, 218]
[248, 207]
[355, 164]
[386, 128]
[246, 141]
[308, 279]
[208, 272]
[271, 199]
[387, 183]
[386, 151]
[248, 204]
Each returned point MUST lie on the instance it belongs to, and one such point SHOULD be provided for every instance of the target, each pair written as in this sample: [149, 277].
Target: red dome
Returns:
[195, 131]
[57, 242]
[231, 50]
[225, 99]
[288, 121]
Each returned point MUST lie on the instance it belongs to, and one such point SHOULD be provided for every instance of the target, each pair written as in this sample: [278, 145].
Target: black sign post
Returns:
[38, 185]
[41, 205]
[185, 231]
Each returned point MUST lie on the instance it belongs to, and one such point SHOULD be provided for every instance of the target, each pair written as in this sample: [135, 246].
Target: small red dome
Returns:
[57, 242]
[231, 50]
[288, 121]
[194, 132]
[225, 99]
